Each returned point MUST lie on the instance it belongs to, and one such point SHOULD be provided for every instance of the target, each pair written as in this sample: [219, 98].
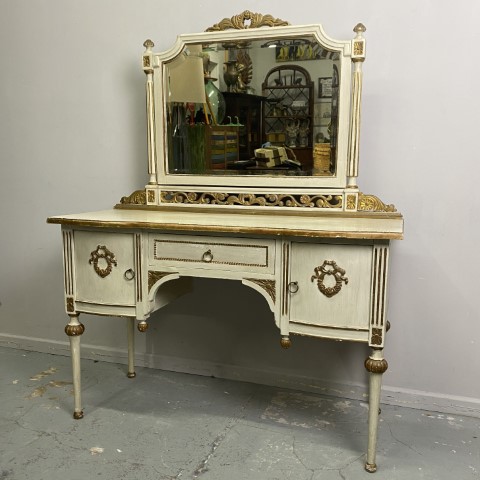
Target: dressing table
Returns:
[296, 229]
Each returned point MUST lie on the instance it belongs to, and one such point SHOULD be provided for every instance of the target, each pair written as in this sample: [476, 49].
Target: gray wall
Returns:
[72, 139]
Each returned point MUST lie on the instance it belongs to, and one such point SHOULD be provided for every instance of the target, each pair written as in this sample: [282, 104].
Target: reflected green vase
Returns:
[215, 102]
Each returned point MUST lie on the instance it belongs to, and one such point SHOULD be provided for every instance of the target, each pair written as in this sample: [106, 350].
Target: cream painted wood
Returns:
[131, 347]
[156, 62]
[347, 309]
[137, 258]
[245, 255]
[116, 288]
[299, 222]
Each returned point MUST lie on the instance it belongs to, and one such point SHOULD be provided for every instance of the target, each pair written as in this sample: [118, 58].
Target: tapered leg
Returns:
[376, 365]
[131, 347]
[74, 329]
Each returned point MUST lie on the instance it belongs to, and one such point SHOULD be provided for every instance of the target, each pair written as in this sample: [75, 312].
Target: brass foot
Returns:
[285, 341]
[371, 467]
[142, 326]
[131, 374]
[78, 415]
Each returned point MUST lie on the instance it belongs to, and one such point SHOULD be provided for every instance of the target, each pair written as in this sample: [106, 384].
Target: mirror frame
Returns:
[165, 188]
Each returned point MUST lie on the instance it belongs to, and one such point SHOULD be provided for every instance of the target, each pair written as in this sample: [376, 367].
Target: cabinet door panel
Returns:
[343, 272]
[101, 260]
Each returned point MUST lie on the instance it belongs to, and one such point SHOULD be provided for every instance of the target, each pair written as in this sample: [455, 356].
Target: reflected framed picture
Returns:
[325, 87]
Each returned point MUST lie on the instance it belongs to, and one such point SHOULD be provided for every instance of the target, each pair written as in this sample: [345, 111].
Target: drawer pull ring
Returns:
[329, 267]
[207, 257]
[129, 274]
[293, 287]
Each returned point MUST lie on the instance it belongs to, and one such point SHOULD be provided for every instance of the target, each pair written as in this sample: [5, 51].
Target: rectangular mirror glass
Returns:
[253, 107]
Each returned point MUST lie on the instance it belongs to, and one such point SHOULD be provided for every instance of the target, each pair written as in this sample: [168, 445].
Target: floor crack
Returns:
[203, 467]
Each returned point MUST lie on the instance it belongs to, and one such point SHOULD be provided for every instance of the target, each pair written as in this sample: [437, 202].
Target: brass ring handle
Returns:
[293, 287]
[207, 257]
[129, 274]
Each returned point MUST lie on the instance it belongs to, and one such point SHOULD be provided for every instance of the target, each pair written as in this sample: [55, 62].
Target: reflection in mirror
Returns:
[253, 108]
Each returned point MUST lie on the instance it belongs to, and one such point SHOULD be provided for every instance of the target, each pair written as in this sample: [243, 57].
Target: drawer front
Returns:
[212, 253]
[333, 285]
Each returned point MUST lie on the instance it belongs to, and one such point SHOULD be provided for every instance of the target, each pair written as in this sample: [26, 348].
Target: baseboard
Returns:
[434, 402]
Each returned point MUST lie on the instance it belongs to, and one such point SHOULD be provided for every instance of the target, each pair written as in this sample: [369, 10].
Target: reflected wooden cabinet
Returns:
[246, 108]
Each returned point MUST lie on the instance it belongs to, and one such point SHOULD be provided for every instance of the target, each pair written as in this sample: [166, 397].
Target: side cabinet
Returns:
[338, 290]
[101, 272]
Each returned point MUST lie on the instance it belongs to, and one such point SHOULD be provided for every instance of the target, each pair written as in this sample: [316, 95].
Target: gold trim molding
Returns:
[247, 19]
[138, 197]
[251, 199]
[371, 203]
[267, 285]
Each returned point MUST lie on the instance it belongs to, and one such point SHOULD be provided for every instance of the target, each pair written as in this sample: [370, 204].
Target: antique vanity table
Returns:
[299, 232]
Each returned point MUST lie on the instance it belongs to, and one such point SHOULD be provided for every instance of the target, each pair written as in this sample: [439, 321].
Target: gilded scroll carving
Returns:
[329, 267]
[371, 203]
[136, 198]
[245, 20]
[103, 253]
[154, 277]
[251, 199]
[267, 285]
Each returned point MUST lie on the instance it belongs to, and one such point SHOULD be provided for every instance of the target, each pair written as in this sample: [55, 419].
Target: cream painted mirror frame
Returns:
[338, 192]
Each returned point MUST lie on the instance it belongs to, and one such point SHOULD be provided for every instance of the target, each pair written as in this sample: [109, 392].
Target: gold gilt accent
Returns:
[376, 366]
[376, 338]
[70, 305]
[148, 44]
[333, 269]
[136, 198]
[358, 48]
[351, 202]
[146, 61]
[142, 326]
[251, 199]
[371, 203]
[102, 252]
[154, 277]
[267, 285]
[74, 330]
[285, 342]
[151, 196]
[245, 20]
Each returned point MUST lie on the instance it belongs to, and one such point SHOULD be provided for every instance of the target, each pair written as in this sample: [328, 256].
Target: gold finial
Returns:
[148, 44]
[359, 28]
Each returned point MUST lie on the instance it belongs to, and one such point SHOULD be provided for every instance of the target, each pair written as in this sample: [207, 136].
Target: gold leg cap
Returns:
[285, 341]
[371, 467]
[142, 326]
[131, 374]
[78, 415]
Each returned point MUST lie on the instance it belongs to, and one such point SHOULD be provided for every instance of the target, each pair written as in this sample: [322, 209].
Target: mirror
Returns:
[261, 107]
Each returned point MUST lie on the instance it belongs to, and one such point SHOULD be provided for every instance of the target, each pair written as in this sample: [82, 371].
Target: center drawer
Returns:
[212, 253]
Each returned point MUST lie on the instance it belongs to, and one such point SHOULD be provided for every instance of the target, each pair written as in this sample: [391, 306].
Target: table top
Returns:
[306, 223]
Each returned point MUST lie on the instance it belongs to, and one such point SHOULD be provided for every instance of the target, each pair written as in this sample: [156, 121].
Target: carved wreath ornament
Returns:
[329, 267]
[102, 252]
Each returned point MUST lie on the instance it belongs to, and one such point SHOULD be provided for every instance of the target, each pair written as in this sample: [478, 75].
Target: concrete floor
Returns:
[165, 426]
